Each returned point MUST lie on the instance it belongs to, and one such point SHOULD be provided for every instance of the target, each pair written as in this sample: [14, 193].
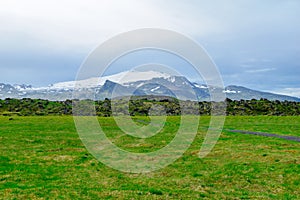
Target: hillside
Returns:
[134, 84]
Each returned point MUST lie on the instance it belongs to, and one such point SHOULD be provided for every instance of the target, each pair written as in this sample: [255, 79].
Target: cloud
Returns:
[69, 23]
[246, 39]
[260, 70]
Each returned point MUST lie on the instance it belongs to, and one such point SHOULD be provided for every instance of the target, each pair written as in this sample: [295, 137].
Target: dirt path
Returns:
[286, 137]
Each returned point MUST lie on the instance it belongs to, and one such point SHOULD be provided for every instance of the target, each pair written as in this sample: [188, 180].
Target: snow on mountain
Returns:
[22, 87]
[137, 83]
[123, 78]
[200, 86]
[156, 88]
[231, 91]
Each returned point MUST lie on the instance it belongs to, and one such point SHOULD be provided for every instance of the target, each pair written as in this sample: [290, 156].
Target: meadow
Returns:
[42, 157]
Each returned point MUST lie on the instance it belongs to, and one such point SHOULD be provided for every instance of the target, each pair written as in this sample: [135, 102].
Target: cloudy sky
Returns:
[254, 43]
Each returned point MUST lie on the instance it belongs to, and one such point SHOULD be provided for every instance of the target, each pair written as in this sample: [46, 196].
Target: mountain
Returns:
[136, 83]
[238, 92]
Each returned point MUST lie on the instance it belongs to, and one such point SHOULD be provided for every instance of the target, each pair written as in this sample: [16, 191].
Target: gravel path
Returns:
[286, 137]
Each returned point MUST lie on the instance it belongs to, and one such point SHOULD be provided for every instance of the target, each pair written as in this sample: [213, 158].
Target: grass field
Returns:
[43, 158]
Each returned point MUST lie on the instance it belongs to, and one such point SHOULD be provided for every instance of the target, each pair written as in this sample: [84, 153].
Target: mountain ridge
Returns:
[135, 83]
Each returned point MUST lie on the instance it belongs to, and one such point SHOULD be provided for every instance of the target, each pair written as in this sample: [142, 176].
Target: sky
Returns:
[254, 43]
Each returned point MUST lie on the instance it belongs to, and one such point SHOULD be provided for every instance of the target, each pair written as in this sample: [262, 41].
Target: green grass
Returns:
[43, 158]
[283, 125]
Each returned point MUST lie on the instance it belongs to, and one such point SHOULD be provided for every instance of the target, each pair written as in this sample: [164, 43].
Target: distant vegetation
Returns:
[141, 107]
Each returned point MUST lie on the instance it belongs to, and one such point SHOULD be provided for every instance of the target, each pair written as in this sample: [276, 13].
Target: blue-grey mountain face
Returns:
[239, 92]
[138, 84]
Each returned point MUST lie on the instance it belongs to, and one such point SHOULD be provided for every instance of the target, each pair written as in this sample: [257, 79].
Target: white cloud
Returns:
[231, 31]
[68, 24]
[261, 70]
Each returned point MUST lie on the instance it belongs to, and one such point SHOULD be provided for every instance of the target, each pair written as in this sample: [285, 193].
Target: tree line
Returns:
[144, 106]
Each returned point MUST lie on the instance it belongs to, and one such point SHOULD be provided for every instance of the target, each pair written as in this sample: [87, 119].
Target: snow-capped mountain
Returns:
[123, 78]
[137, 83]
